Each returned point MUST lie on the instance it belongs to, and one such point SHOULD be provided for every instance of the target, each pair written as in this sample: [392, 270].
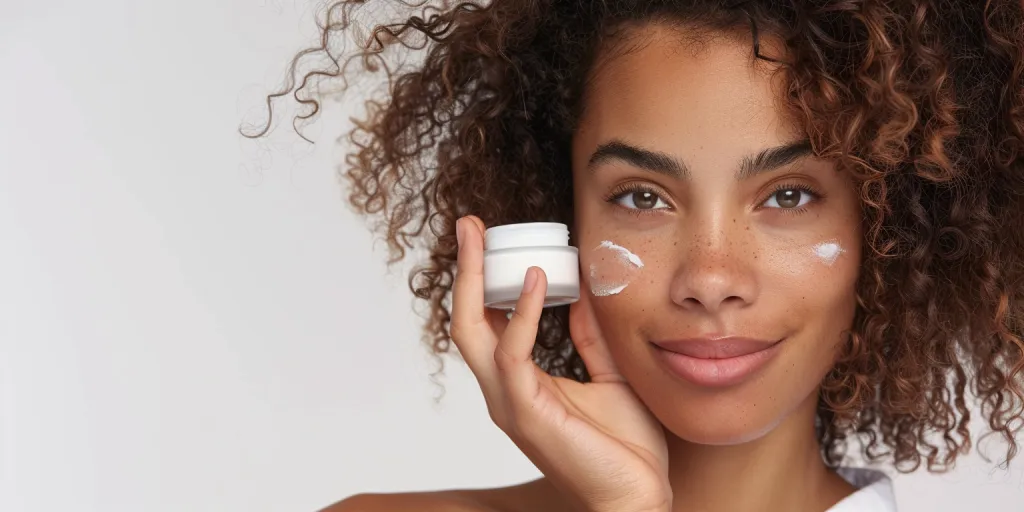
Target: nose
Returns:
[715, 274]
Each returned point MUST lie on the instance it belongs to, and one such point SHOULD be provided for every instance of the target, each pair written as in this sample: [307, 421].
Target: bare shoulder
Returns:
[533, 496]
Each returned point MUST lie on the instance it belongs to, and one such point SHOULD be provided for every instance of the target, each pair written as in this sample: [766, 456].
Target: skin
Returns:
[723, 255]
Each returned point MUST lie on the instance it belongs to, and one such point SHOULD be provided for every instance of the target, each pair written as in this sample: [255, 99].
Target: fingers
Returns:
[590, 344]
[498, 320]
[469, 327]
[514, 354]
[499, 351]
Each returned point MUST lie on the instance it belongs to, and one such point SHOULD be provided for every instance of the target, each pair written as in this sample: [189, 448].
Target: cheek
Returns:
[812, 264]
[628, 264]
[610, 268]
[814, 282]
[623, 274]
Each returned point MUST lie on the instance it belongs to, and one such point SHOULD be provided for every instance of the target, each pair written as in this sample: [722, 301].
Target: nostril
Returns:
[695, 303]
[714, 288]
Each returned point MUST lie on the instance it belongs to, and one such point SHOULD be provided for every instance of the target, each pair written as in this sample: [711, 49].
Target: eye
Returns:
[789, 198]
[639, 198]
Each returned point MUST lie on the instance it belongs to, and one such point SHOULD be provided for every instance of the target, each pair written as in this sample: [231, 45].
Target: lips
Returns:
[717, 348]
[716, 362]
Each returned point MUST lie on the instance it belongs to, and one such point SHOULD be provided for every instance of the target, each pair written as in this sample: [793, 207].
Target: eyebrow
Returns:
[766, 160]
[772, 158]
[636, 156]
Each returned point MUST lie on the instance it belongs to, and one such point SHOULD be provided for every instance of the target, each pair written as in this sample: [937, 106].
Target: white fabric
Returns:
[874, 492]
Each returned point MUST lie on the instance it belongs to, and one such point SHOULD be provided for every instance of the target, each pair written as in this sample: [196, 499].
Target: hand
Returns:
[596, 442]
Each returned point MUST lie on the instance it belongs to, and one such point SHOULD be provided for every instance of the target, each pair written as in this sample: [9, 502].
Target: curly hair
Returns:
[921, 101]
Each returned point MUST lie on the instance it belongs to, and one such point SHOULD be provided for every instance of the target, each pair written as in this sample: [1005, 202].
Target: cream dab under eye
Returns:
[612, 268]
[828, 251]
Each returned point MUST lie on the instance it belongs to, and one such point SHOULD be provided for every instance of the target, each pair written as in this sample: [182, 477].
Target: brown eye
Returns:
[789, 198]
[640, 199]
[644, 200]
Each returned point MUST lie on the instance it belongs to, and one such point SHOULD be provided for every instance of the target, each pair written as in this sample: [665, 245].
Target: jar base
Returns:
[506, 298]
[549, 302]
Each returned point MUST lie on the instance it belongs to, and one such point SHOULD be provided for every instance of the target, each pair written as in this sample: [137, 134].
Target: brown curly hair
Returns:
[920, 100]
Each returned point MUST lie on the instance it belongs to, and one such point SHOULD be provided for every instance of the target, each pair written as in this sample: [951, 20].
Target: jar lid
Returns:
[527, 234]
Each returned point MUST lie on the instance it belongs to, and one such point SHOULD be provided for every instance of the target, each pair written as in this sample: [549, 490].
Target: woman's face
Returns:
[720, 254]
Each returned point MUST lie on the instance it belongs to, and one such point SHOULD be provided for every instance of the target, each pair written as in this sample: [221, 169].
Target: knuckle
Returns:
[463, 329]
[505, 420]
[498, 417]
[456, 331]
[518, 315]
[583, 342]
[463, 266]
[502, 359]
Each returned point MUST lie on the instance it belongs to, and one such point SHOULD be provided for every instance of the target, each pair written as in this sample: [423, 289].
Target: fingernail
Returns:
[531, 280]
[458, 232]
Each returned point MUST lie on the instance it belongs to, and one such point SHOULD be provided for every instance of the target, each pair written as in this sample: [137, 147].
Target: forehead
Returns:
[661, 87]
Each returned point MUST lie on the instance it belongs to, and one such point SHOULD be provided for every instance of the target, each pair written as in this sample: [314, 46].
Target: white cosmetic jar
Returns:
[511, 249]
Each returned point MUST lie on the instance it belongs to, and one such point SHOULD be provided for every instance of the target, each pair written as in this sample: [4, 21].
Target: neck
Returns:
[781, 470]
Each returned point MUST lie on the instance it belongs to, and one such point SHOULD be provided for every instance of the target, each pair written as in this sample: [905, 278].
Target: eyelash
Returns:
[815, 196]
[632, 188]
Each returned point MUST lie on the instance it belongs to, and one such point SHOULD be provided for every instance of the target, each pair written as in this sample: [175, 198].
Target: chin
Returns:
[722, 417]
[723, 432]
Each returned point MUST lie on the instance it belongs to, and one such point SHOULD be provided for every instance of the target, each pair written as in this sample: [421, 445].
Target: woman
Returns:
[824, 201]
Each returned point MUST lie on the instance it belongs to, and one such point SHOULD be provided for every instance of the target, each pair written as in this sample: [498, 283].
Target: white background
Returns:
[192, 321]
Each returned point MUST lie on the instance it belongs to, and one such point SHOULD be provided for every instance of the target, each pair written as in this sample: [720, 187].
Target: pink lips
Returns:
[718, 361]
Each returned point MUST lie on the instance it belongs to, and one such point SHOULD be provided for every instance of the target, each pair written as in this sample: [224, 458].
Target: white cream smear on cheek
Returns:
[613, 281]
[829, 251]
